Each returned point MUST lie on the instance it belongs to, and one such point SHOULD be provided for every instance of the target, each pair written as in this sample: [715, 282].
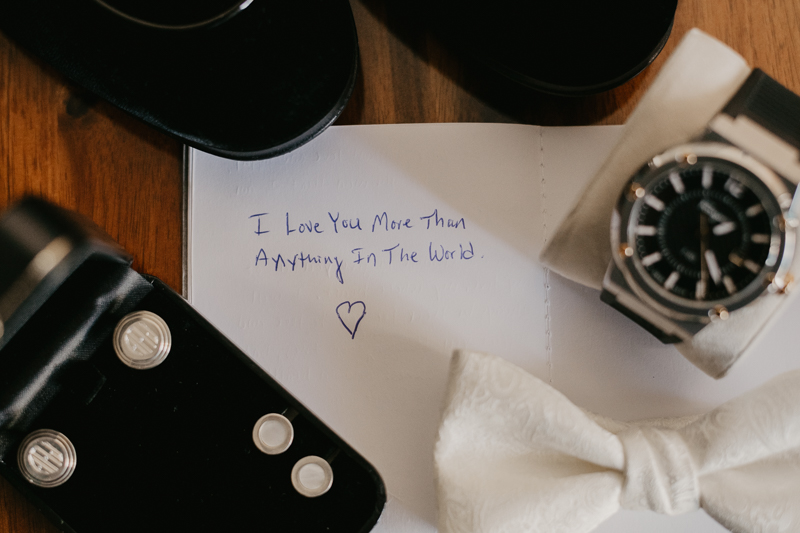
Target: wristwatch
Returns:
[707, 227]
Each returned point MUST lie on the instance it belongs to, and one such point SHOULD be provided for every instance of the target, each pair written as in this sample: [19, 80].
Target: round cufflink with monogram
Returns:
[47, 458]
[142, 340]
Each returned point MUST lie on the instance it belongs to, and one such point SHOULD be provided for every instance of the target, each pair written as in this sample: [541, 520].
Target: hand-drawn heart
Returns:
[349, 316]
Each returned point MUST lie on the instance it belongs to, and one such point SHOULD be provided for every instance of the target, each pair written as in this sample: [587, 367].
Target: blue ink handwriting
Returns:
[347, 223]
[440, 221]
[383, 221]
[303, 227]
[258, 230]
[299, 261]
[369, 257]
[352, 317]
[375, 255]
[440, 254]
[404, 256]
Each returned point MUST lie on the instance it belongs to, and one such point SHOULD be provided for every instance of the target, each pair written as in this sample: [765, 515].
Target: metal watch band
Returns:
[769, 104]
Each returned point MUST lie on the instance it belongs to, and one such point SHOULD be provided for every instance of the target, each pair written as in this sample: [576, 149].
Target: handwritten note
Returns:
[306, 261]
[351, 268]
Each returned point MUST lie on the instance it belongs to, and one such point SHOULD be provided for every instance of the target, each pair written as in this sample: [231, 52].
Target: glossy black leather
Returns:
[260, 84]
[166, 449]
[564, 47]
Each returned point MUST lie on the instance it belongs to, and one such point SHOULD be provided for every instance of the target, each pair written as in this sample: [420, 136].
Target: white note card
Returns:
[351, 268]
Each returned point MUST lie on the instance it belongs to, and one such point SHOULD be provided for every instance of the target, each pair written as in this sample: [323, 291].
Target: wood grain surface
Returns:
[61, 143]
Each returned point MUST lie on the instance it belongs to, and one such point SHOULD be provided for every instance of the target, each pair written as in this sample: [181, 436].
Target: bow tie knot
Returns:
[659, 472]
[515, 455]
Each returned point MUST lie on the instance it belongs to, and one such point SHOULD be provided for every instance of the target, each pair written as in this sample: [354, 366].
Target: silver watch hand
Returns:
[702, 283]
[713, 266]
[708, 208]
[723, 228]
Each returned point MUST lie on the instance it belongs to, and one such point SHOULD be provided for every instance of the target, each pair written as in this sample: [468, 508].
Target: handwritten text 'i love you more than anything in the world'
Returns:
[338, 226]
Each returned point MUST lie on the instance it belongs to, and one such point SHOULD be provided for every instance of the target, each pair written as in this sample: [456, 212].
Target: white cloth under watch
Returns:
[515, 455]
[699, 78]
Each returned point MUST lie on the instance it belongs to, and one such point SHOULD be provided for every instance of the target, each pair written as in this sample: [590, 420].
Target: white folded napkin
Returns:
[515, 455]
[694, 85]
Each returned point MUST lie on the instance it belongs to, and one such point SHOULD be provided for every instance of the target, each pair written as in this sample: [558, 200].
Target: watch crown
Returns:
[783, 222]
[625, 250]
[782, 285]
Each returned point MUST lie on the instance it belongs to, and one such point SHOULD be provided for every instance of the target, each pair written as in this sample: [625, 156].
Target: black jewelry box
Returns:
[178, 446]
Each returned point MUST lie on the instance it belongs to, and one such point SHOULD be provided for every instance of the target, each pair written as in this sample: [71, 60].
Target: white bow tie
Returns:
[514, 455]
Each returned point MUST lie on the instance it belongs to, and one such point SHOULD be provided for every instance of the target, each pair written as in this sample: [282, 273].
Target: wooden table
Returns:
[61, 143]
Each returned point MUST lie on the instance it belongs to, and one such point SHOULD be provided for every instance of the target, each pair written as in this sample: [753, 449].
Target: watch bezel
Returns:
[626, 214]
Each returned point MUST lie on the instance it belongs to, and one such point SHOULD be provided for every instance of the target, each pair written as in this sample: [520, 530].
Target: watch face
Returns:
[704, 233]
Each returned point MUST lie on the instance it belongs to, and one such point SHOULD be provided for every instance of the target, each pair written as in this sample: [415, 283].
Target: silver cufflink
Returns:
[142, 340]
[273, 434]
[47, 458]
[312, 476]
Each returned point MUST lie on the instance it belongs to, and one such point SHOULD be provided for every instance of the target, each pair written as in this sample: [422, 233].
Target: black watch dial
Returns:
[704, 232]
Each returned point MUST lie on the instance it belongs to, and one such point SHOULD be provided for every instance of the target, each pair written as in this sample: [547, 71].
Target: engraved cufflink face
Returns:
[142, 340]
[47, 458]
[312, 476]
[273, 434]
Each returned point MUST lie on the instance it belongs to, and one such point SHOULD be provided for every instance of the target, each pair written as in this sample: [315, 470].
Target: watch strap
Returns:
[769, 104]
[618, 294]
[609, 298]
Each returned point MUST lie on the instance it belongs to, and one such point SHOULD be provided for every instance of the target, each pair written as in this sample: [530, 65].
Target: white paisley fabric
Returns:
[515, 455]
